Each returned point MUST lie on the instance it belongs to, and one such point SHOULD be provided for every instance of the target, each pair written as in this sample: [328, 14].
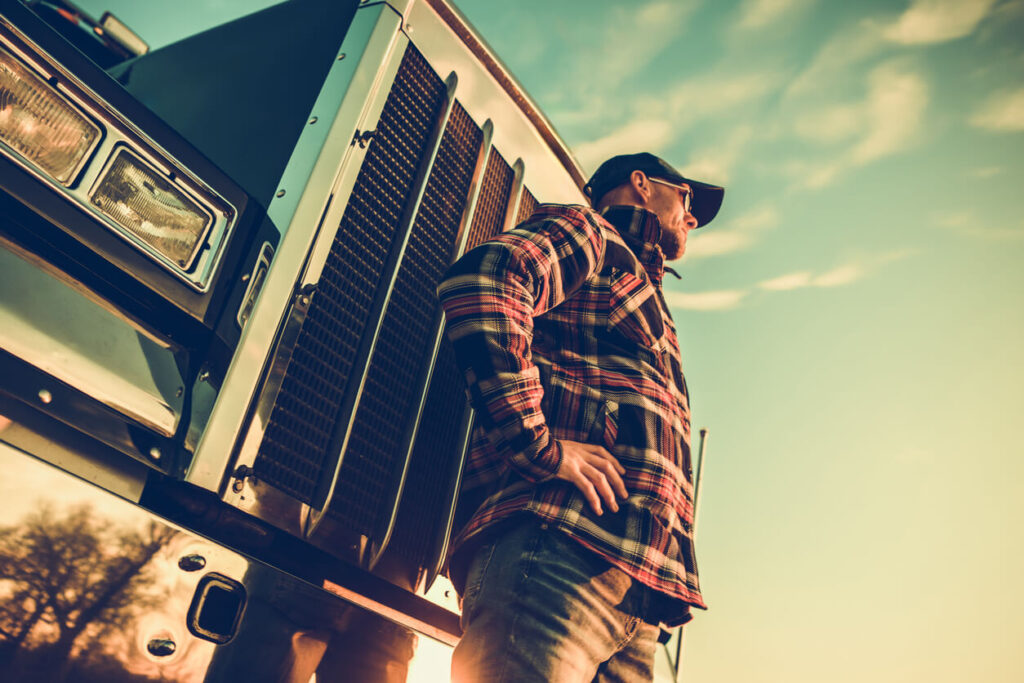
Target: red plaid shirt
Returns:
[563, 332]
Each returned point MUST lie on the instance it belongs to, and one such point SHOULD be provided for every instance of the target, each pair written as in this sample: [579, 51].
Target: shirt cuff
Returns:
[539, 465]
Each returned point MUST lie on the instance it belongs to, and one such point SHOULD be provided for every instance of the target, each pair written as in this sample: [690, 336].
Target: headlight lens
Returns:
[40, 125]
[151, 208]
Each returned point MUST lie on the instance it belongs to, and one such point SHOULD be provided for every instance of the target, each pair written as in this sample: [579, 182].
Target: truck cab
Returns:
[230, 422]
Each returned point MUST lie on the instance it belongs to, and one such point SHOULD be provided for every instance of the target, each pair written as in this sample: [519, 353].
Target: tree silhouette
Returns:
[67, 577]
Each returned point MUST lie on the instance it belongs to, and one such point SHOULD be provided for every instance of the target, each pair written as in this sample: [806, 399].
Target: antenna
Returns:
[698, 477]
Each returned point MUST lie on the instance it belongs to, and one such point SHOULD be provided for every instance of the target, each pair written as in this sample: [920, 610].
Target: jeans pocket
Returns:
[475, 578]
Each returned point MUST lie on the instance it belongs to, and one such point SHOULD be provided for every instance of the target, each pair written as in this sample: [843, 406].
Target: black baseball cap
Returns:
[707, 199]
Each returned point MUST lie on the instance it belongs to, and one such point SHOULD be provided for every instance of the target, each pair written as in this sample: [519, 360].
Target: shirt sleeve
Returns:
[490, 297]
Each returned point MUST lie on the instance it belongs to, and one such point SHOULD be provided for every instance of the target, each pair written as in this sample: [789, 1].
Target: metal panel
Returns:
[80, 343]
[357, 87]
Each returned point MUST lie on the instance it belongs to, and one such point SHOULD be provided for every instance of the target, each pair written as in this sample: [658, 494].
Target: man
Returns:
[578, 485]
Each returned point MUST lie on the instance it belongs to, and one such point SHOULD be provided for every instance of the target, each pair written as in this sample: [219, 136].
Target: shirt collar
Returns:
[641, 230]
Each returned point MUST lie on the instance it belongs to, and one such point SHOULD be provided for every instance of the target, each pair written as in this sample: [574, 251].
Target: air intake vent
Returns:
[527, 205]
[378, 449]
[301, 444]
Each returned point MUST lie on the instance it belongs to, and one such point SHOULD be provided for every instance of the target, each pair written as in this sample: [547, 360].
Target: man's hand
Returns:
[594, 471]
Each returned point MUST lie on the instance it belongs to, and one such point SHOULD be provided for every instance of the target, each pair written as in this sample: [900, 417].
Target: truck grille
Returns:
[296, 455]
[437, 454]
[527, 205]
[374, 461]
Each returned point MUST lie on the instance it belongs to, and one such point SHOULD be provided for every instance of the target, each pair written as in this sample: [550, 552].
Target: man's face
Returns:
[668, 203]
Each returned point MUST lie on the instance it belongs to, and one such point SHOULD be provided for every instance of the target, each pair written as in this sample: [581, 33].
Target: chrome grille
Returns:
[527, 205]
[437, 453]
[375, 458]
[302, 442]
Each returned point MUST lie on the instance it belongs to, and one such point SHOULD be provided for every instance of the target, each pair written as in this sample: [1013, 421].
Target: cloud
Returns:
[717, 242]
[756, 14]
[886, 122]
[895, 108]
[843, 274]
[714, 93]
[985, 171]
[716, 300]
[968, 225]
[847, 48]
[784, 283]
[736, 235]
[938, 21]
[603, 50]
[657, 122]
[715, 162]
[639, 134]
[829, 125]
[1002, 112]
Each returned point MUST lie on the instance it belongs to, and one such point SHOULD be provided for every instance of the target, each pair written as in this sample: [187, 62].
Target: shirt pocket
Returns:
[634, 311]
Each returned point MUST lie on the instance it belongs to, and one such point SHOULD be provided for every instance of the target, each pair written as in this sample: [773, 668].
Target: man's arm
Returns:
[490, 297]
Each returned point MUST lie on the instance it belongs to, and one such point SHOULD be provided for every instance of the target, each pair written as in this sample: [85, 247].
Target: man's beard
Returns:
[671, 245]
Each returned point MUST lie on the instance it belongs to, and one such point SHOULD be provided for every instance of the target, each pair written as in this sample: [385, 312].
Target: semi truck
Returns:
[231, 428]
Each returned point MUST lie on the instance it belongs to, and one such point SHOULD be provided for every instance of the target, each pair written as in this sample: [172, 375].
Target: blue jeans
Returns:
[538, 606]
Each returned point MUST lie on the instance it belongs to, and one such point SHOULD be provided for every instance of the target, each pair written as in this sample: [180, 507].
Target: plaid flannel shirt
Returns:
[562, 330]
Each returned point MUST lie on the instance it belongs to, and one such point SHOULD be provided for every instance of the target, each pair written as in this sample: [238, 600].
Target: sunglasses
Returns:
[687, 191]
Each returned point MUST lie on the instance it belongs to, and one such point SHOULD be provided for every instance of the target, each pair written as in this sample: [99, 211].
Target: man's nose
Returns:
[691, 221]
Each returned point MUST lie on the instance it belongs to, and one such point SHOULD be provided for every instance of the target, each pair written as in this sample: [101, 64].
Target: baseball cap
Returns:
[707, 199]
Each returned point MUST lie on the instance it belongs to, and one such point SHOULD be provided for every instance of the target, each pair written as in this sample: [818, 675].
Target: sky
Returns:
[852, 322]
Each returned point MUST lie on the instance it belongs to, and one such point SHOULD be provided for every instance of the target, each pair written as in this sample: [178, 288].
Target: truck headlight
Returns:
[39, 124]
[151, 208]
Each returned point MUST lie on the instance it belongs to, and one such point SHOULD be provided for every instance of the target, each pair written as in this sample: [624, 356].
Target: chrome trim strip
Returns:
[246, 492]
[120, 131]
[370, 344]
[71, 338]
[518, 184]
[352, 97]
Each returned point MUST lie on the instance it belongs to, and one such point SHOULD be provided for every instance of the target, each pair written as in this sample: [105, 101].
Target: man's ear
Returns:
[641, 185]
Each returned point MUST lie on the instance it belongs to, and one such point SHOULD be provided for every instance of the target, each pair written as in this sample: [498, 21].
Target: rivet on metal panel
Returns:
[341, 56]
[180, 391]
[204, 375]
[313, 120]
[192, 563]
[161, 647]
[280, 193]
[45, 396]
[155, 453]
